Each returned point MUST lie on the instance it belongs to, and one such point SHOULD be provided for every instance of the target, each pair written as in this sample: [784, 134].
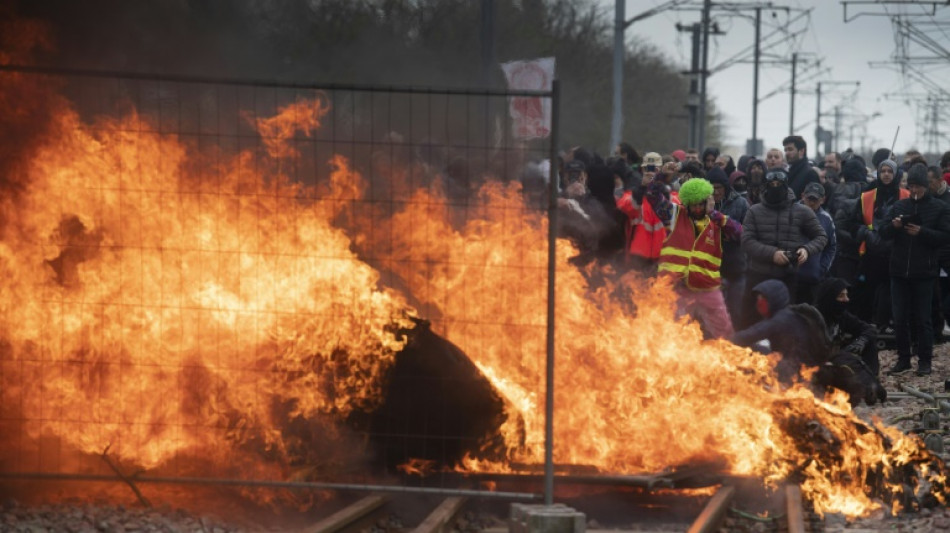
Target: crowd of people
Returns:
[818, 261]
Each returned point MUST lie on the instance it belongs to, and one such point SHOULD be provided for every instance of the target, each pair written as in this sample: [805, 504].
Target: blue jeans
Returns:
[912, 298]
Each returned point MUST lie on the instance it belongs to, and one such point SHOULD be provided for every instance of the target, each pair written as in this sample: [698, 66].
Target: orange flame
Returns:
[635, 391]
[163, 301]
[417, 467]
[143, 300]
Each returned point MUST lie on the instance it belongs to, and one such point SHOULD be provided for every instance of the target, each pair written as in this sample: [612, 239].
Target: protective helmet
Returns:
[695, 191]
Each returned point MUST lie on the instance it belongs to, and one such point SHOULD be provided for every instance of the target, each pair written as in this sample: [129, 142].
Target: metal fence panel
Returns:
[239, 280]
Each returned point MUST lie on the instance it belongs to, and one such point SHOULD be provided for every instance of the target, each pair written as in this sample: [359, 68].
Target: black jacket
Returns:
[874, 263]
[787, 225]
[916, 257]
[944, 251]
[735, 207]
[853, 182]
[801, 174]
[798, 332]
[844, 328]
[846, 225]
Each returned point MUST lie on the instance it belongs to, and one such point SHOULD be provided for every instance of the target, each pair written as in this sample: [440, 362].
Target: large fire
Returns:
[168, 302]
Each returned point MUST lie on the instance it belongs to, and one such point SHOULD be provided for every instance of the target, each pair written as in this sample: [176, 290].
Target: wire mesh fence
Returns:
[252, 280]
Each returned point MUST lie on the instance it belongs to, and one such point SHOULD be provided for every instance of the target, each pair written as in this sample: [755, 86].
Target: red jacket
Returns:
[648, 231]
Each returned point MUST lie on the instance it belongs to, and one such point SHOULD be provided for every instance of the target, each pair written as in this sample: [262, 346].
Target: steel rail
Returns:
[168, 480]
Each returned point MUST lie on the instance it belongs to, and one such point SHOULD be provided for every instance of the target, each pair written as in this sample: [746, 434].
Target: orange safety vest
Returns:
[867, 211]
[695, 258]
[649, 232]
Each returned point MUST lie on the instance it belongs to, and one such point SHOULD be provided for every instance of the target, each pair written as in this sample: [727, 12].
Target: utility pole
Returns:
[755, 85]
[817, 117]
[697, 79]
[701, 140]
[692, 101]
[791, 104]
[819, 132]
[616, 122]
[836, 147]
[620, 25]
[933, 138]
[697, 135]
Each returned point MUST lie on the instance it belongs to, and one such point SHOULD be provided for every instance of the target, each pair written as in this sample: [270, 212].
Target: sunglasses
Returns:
[650, 168]
[776, 176]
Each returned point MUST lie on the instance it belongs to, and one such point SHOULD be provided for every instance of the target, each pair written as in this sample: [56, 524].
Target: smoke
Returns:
[340, 41]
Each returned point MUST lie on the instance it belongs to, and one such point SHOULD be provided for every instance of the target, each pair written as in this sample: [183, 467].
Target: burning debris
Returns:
[191, 310]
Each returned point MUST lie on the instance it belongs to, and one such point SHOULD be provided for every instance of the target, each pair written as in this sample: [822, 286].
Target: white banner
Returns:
[531, 114]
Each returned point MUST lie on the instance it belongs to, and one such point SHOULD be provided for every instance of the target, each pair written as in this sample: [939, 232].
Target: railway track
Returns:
[721, 512]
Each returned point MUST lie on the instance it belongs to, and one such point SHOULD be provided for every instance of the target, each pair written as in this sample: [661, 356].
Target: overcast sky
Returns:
[845, 48]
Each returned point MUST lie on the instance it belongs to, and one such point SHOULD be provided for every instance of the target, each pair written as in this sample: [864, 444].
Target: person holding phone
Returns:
[919, 226]
[872, 290]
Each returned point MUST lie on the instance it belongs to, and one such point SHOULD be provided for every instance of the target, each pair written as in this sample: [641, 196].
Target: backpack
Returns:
[818, 343]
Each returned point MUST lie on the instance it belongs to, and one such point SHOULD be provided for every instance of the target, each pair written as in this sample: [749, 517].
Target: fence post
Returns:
[552, 265]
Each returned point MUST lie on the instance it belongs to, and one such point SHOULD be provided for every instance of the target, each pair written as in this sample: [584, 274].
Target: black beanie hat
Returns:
[717, 175]
[854, 170]
[917, 175]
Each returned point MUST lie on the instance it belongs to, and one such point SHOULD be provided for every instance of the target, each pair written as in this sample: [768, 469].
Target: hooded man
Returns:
[755, 173]
[872, 214]
[854, 178]
[845, 198]
[779, 235]
[739, 183]
[727, 200]
[692, 255]
[731, 204]
[802, 336]
[852, 363]
[920, 227]
[743, 162]
[847, 331]
[795, 331]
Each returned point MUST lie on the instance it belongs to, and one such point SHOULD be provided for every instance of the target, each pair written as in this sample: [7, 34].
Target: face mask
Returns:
[774, 195]
[837, 308]
[740, 186]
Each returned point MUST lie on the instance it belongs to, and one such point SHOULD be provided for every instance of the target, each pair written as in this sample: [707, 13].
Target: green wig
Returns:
[695, 191]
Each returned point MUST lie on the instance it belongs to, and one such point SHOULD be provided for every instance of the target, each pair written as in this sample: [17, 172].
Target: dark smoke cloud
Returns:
[343, 41]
